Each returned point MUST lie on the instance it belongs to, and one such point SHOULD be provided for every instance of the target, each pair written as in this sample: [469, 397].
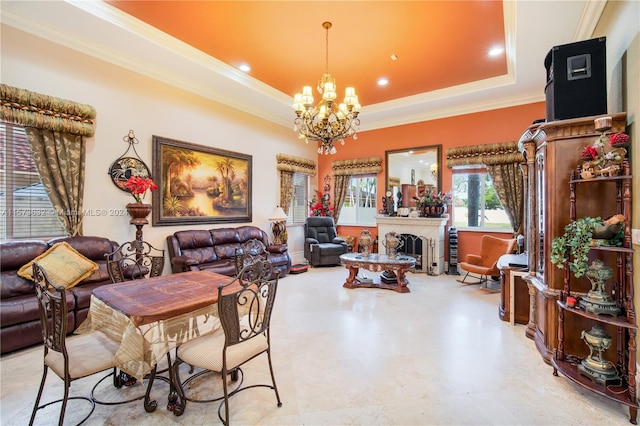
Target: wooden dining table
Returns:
[153, 316]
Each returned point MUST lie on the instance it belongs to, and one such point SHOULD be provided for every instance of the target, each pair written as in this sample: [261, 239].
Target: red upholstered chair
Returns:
[484, 264]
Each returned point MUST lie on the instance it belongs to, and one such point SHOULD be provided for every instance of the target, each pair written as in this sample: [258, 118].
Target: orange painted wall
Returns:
[469, 242]
[501, 125]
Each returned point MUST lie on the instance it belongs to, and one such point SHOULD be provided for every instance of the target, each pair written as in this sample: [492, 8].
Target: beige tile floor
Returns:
[437, 355]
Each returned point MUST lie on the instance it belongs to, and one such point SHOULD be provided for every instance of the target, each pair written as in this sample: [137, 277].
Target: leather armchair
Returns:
[485, 263]
[322, 246]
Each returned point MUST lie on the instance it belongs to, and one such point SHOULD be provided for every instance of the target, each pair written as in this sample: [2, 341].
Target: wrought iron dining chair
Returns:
[131, 261]
[135, 260]
[244, 307]
[249, 252]
[72, 359]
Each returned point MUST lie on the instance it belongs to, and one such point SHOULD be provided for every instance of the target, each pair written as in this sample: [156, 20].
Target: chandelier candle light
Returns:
[328, 121]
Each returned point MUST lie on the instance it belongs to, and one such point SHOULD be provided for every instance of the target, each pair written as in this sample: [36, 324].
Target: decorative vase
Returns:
[598, 300]
[365, 242]
[602, 124]
[434, 210]
[595, 366]
[138, 213]
[392, 241]
[605, 232]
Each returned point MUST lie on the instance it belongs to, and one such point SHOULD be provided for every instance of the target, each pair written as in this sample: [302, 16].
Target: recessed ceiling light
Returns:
[382, 81]
[245, 68]
[394, 57]
[496, 51]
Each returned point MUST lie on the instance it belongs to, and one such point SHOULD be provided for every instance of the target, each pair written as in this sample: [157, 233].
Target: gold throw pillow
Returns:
[63, 265]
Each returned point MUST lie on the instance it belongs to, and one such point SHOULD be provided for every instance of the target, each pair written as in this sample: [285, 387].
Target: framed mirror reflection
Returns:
[411, 171]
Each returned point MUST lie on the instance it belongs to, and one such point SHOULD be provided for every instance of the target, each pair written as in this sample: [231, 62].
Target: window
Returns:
[25, 208]
[299, 208]
[360, 204]
[475, 202]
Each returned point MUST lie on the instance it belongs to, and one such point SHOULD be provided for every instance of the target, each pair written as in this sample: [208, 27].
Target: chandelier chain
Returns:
[326, 50]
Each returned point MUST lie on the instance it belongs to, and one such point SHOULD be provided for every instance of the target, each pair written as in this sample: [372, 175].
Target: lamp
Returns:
[328, 121]
[434, 171]
[279, 225]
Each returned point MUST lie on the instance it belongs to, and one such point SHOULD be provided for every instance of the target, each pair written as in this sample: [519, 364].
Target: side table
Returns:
[514, 293]
[378, 263]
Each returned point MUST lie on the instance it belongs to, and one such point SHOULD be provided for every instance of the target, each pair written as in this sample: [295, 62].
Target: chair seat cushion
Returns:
[473, 259]
[206, 351]
[328, 249]
[88, 354]
[477, 269]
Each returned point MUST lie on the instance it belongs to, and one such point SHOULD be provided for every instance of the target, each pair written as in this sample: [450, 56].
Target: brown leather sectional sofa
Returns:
[19, 314]
[214, 249]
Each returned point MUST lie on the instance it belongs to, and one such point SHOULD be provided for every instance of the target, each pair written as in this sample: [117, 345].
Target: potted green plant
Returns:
[572, 248]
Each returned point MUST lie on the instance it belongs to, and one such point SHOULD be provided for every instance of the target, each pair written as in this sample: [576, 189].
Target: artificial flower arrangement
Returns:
[433, 198]
[589, 153]
[319, 206]
[598, 161]
[619, 140]
[138, 187]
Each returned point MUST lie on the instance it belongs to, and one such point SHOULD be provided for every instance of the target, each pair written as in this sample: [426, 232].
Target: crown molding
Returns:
[165, 58]
[589, 18]
[141, 48]
[452, 111]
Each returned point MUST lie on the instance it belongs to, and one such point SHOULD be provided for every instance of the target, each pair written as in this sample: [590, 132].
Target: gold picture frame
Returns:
[200, 184]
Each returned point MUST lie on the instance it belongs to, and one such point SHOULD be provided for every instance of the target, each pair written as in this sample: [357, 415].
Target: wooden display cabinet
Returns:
[573, 321]
[552, 151]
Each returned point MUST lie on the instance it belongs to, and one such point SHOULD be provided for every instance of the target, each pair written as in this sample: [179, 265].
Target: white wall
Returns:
[126, 100]
[620, 22]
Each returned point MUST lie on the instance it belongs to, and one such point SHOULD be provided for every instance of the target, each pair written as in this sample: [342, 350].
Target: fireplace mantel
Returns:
[426, 228]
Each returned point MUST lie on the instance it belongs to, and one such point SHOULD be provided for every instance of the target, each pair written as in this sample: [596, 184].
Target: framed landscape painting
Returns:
[199, 184]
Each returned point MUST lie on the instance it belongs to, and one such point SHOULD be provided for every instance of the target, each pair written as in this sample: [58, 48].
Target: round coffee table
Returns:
[393, 271]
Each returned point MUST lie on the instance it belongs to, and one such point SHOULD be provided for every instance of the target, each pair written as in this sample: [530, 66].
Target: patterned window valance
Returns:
[493, 153]
[30, 109]
[290, 163]
[357, 166]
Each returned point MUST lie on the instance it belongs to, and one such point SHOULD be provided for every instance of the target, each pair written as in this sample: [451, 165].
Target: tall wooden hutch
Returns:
[552, 151]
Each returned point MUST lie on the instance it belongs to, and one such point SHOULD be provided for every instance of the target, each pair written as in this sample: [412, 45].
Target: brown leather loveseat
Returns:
[19, 314]
[215, 249]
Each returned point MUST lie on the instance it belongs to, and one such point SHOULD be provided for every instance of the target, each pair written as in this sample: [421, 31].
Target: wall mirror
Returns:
[411, 171]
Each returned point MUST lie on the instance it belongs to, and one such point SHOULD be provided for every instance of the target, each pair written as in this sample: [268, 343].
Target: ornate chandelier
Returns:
[328, 121]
